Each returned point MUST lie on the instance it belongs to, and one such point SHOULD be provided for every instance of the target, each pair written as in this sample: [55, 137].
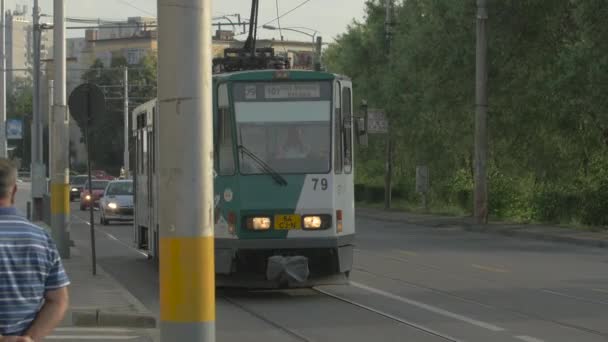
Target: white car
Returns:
[117, 202]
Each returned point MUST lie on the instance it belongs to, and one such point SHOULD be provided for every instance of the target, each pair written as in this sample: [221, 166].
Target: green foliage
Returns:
[548, 80]
[107, 138]
[19, 106]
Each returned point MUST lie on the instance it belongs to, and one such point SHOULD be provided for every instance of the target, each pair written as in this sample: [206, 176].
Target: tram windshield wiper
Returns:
[264, 166]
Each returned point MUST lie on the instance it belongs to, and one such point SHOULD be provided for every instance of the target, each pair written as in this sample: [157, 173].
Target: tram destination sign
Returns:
[292, 91]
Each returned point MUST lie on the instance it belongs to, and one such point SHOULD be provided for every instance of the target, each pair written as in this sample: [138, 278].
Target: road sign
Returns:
[377, 123]
[14, 129]
[86, 102]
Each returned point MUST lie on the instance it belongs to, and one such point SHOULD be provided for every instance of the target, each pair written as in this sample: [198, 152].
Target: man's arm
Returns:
[50, 315]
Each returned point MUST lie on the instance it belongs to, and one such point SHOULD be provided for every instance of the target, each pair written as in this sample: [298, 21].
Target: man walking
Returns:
[33, 283]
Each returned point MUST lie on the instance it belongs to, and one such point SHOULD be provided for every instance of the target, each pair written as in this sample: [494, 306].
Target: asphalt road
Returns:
[410, 283]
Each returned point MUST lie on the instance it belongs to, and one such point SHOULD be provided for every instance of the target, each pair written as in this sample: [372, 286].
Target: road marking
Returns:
[90, 337]
[430, 308]
[385, 314]
[574, 297]
[600, 290]
[112, 237]
[408, 253]
[490, 268]
[80, 329]
[528, 338]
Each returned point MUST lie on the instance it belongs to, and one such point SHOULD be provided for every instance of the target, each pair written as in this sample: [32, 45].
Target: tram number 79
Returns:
[320, 184]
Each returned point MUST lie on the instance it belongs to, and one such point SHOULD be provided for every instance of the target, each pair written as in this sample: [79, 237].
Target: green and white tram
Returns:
[284, 189]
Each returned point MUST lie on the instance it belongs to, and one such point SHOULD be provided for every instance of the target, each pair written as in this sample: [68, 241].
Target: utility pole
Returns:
[60, 174]
[126, 124]
[38, 170]
[187, 267]
[318, 47]
[50, 121]
[3, 140]
[388, 29]
[481, 120]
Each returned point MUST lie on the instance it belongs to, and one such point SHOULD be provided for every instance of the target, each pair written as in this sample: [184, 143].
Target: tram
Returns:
[284, 175]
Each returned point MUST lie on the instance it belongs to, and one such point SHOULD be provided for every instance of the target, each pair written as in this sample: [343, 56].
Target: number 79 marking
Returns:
[323, 184]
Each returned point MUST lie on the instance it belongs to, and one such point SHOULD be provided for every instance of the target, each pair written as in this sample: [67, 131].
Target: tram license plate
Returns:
[284, 222]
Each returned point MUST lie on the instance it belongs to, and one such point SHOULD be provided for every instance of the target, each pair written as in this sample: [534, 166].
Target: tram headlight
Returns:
[313, 222]
[74, 189]
[259, 223]
[87, 197]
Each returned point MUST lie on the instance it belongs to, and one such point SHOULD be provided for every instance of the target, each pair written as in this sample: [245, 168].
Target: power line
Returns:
[137, 8]
[276, 2]
[286, 13]
[279, 23]
[280, 16]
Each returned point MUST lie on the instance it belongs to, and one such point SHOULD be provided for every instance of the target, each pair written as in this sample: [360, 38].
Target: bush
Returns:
[461, 190]
[594, 204]
[367, 193]
[554, 203]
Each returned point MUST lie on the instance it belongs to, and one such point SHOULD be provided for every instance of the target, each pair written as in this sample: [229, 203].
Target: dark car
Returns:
[76, 186]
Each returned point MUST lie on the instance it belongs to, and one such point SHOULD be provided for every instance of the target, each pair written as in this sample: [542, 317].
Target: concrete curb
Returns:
[95, 317]
[516, 233]
[100, 318]
[488, 229]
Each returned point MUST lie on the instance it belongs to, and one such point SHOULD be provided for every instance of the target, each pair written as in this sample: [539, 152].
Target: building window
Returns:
[134, 56]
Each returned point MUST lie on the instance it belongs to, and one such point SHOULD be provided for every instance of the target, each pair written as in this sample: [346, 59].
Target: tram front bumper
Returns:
[275, 251]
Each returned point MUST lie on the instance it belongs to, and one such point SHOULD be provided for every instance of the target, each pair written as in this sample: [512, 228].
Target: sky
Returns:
[328, 17]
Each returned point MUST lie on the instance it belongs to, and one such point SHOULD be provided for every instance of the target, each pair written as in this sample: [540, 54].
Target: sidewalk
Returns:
[101, 309]
[100, 300]
[527, 231]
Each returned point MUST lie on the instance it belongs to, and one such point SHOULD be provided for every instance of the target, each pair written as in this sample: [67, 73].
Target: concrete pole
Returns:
[3, 141]
[126, 124]
[481, 120]
[50, 121]
[388, 177]
[60, 174]
[187, 275]
[38, 169]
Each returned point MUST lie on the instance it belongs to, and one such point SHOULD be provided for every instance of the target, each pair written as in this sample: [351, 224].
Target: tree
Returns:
[548, 76]
[19, 105]
[107, 136]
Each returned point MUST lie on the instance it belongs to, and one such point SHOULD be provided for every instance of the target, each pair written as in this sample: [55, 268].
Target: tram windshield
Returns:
[286, 125]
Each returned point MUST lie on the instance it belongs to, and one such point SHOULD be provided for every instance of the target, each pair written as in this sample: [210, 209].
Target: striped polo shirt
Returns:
[29, 266]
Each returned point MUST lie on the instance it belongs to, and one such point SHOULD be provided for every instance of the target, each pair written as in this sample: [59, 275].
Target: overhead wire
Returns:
[288, 12]
[279, 24]
[282, 15]
[137, 8]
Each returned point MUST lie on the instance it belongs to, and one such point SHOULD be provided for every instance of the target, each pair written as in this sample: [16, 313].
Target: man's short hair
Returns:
[8, 177]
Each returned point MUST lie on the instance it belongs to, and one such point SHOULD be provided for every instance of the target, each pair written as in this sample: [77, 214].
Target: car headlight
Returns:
[259, 223]
[112, 205]
[87, 197]
[74, 189]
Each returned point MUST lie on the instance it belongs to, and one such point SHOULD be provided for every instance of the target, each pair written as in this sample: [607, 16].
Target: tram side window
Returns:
[338, 131]
[225, 150]
[347, 117]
